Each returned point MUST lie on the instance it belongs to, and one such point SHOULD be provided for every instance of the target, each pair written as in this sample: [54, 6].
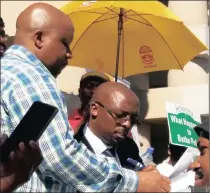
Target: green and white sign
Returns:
[181, 122]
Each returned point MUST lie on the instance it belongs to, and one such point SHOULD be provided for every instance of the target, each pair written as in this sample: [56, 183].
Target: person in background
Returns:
[28, 73]
[201, 164]
[88, 83]
[21, 165]
[175, 152]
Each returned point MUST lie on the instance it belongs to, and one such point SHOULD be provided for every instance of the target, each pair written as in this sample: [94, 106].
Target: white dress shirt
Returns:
[98, 146]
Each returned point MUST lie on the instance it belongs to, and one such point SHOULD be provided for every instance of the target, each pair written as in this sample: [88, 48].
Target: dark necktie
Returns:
[110, 152]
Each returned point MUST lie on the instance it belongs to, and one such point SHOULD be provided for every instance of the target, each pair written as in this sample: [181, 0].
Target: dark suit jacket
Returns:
[127, 148]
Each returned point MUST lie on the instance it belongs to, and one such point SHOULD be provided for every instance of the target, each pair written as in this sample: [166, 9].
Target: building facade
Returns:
[189, 87]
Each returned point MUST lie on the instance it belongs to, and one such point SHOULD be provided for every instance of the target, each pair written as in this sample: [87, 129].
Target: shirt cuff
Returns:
[130, 180]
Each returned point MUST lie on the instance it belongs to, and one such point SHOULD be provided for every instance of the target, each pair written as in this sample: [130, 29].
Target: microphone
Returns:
[138, 166]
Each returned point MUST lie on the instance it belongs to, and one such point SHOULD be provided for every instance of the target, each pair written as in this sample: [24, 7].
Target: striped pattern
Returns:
[67, 165]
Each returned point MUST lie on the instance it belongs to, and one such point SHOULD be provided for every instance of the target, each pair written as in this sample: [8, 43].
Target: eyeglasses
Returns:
[122, 118]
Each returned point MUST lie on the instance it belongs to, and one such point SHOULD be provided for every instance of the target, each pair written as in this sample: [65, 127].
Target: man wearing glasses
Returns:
[114, 110]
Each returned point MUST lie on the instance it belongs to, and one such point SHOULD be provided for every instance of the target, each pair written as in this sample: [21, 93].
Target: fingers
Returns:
[18, 156]
[156, 171]
[163, 190]
[165, 184]
[22, 147]
[149, 168]
[12, 156]
[4, 137]
[23, 161]
[165, 179]
[29, 155]
[34, 146]
[36, 153]
[26, 155]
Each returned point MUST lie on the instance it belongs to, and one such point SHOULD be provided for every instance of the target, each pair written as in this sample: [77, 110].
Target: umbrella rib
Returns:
[114, 16]
[138, 21]
[162, 38]
[118, 13]
[143, 14]
[87, 29]
[112, 10]
[105, 19]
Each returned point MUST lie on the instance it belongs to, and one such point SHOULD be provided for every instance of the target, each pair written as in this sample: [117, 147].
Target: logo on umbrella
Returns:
[87, 3]
[146, 55]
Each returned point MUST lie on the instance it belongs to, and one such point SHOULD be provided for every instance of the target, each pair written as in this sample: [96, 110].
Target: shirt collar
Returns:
[98, 146]
[24, 53]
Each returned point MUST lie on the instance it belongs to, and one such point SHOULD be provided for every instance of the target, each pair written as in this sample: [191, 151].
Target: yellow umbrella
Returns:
[148, 36]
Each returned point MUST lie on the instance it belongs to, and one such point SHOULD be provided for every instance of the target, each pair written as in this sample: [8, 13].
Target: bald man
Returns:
[28, 72]
[117, 106]
[116, 134]
[114, 110]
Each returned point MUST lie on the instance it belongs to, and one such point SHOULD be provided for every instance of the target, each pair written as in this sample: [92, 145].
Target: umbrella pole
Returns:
[120, 27]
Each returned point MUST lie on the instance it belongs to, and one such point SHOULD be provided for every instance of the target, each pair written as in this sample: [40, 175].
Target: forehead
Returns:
[203, 142]
[124, 102]
[65, 30]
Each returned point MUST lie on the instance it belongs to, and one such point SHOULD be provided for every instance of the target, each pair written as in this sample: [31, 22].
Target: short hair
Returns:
[1, 22]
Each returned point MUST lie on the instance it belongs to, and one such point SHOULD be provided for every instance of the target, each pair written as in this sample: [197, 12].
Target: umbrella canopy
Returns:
[152, 39]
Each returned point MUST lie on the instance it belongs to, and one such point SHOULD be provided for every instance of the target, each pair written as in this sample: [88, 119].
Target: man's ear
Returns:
[93, 109]
[38, 39]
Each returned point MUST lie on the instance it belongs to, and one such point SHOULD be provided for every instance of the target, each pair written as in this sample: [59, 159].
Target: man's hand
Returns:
[150, 168]
[151, 181]
[19, 168]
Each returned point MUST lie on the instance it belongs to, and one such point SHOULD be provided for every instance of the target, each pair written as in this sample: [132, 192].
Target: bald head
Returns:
[40, 16]
[47, 32]
[114, 92]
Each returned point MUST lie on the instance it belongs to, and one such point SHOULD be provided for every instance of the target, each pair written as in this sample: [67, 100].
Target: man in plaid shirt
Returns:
[28, 72]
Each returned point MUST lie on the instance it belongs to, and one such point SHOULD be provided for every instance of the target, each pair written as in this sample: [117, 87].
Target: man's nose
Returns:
[69, 53]
[127, 123]
[195, 164]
